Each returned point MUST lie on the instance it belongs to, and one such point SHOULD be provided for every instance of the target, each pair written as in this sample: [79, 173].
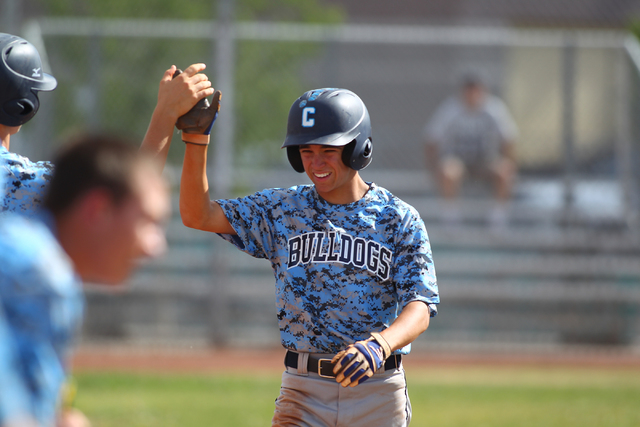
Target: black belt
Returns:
[323, 366]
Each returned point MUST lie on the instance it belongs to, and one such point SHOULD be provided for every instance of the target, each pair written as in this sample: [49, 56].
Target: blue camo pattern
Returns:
[41, 308]
[26, 183]
[3, 178]
[342, 271]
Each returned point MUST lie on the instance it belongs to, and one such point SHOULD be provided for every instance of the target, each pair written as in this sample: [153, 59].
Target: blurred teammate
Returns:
[355, 281]
[472, 135]
[22, 78]
[104, 210]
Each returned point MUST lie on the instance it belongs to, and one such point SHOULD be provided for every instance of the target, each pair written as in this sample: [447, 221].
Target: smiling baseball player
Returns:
[355, 280]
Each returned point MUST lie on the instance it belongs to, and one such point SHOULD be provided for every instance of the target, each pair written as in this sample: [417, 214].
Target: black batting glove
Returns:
[196, 124]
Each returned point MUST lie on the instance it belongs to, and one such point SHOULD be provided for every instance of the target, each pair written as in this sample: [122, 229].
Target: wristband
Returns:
[195, 138]
[386, 348]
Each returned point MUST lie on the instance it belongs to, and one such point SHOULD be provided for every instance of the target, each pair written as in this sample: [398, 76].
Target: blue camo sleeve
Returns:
[414, 271]
[14, 396]
[25, 182]
[41, 308]
[248, 216]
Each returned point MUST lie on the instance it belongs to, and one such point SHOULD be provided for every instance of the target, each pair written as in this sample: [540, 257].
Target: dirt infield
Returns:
[269, 361]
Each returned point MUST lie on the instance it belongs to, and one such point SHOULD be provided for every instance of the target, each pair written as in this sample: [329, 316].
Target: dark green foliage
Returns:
[111, 82]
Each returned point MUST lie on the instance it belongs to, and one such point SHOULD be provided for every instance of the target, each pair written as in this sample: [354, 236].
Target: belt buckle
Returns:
[320, 368]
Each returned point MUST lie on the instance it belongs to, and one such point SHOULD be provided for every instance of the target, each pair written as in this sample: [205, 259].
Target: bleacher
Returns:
[548, 278]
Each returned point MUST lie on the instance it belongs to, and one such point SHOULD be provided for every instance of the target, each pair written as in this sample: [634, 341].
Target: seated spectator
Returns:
[471, 136]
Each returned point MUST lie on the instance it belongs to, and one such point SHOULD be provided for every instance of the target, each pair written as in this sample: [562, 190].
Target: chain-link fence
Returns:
[573, 94]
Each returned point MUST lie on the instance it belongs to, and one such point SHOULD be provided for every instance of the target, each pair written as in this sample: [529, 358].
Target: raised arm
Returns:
[196, 208]
[175, 98]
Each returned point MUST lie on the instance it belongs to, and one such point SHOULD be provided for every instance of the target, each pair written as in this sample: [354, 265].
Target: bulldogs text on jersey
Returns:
[341, 248]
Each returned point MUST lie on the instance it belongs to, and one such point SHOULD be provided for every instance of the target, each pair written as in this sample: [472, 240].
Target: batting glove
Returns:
[358, 362]
[196, 124]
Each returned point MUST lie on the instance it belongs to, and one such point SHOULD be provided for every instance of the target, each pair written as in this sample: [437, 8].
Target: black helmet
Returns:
[21, 77]
[335, 117]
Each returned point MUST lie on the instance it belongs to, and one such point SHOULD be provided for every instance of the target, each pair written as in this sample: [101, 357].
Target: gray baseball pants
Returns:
[308, 400]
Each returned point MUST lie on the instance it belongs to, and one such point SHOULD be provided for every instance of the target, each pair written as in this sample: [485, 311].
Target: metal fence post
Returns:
[624, 149]
[224, 58]
[222, 161]
[568, 134]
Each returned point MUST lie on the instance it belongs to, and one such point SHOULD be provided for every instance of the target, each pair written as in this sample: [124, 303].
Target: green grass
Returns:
[444, 397]
[512, 396]
[116, 400]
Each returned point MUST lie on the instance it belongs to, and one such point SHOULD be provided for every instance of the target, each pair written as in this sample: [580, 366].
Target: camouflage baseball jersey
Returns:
[2, 177]
[25, 181]
[41, 307]
[342, 271]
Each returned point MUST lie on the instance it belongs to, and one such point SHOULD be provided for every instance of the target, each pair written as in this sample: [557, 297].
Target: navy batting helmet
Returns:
[21, 77]
[335, 117]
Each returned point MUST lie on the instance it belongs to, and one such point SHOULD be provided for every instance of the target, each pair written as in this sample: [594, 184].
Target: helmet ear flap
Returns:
[19, 111]
[357, 155]
[293, 154]
[19, 107]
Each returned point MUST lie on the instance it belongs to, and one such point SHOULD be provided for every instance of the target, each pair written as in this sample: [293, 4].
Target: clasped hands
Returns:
[196, 124]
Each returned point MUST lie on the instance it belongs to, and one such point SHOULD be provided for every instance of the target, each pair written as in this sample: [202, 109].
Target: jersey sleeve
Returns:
[14, 395]
[41, 311]
[25, 184]
[414, 271]
[251, 217]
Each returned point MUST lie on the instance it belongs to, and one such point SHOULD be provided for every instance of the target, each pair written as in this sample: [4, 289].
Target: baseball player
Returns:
[22, 78]
[102, 213]
[25, 183]
[355, 279]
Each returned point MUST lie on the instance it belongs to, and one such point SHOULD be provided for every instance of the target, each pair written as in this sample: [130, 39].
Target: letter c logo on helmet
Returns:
[306, 121]
[333, 117]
